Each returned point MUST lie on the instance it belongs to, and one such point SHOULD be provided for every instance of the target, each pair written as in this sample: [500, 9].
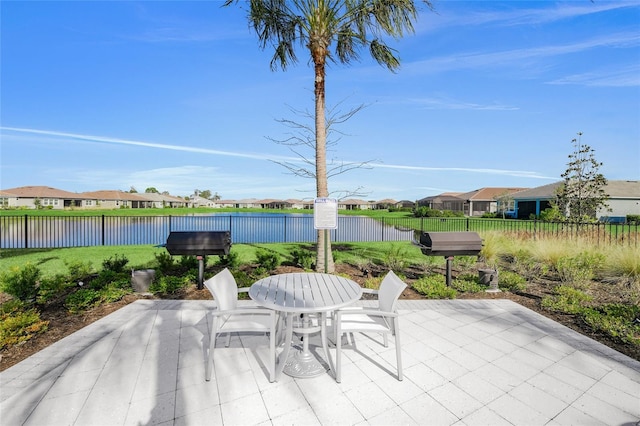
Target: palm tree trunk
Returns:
[324, 256]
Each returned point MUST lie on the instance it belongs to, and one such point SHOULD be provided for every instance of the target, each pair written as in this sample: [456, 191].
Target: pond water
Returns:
[79, 231]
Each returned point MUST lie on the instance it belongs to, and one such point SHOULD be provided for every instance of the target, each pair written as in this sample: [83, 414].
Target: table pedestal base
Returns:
[303, 364]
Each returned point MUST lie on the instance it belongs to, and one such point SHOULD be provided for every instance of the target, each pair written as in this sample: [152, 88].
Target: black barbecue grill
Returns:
[450, 244]
[199, 244]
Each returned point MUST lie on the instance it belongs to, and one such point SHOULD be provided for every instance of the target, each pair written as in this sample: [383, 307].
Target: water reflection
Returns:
[78, 231]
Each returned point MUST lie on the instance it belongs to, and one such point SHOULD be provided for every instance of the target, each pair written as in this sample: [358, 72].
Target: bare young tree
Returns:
[582, 193]
[302, 143]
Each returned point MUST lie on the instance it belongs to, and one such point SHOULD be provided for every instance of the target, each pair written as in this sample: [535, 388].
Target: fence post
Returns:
[26, 231]
[285, 229]
[382, 229]
[467, 224]
[102, 230]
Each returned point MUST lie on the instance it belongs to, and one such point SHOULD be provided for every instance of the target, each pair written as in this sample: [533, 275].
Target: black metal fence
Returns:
[25, 231]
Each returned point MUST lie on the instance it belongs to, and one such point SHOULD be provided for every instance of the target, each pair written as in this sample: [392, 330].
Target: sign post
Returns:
[325, 217]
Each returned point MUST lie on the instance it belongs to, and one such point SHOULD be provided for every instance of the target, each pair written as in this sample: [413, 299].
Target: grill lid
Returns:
[450, 243]
[198, 243]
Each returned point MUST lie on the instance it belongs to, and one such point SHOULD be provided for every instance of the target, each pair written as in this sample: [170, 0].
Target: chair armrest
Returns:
[372, 312]
[244, 311]
[369, 291]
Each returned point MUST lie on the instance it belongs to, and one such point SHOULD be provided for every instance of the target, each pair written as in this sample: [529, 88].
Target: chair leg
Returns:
[398, 351]
[272, 351]
[325, 343]
[338, 370]
[212, 346]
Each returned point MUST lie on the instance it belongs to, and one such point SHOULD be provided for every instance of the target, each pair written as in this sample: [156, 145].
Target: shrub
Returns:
[21, 283]
[164, 261]
[190, 262]
[17, 326]
[231, 260]
[115, 263]
[113, 293]
[396, 258]
[633, 219]
[567, 299]
[434, 287]
[303, 258]
[511, 281]
[617, 320]
[580, 268]
[468, 283]
[78, 269]
[106, 277]
[267, 260]
[373, 283]
[82, 300]
[51, 287]
[167, 284]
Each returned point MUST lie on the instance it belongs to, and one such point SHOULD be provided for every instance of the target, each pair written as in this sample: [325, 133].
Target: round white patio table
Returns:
[301, 294]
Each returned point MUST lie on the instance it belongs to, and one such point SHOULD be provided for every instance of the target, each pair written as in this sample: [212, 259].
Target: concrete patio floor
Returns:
[480, 362]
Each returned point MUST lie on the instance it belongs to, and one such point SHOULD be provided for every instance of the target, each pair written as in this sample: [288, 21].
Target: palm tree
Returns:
[315, 25]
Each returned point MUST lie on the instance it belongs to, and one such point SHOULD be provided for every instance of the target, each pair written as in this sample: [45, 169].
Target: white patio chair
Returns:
[229, 318]
[383, 319]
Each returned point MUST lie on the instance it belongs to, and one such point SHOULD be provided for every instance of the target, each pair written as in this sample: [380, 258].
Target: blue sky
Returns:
[178, 95]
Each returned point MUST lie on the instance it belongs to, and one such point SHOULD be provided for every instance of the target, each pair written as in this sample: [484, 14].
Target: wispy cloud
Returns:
[514, 16]
[519, 57]
[448, 103]
[108, 140]
[623, 77]
[515, 173]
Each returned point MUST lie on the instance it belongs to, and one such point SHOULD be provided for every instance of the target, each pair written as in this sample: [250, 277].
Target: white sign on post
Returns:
[325, 213]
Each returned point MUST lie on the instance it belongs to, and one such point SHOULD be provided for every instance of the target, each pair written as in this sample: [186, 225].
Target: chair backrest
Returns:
[224, 290]
[391, 288]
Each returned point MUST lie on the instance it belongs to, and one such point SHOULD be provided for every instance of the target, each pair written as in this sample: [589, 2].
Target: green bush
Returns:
[303, 258]
[396, 258]
[81, 300]
[167, 284]
[21, 283]
[579, 269]
[78, 269]
[434, 287]
[511, 281]
[633, 219]
[52, 287]
[468, 283]
[617, 320]
[567, 299]
[107, 277]
[17, 326]
[115, 263]
[190, 262]
[373, 283]
[164, 261]
[113, 293]
[231, 260]
[267, 260]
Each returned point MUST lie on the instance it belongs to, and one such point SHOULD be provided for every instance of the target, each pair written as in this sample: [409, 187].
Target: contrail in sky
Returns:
[255, 156]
